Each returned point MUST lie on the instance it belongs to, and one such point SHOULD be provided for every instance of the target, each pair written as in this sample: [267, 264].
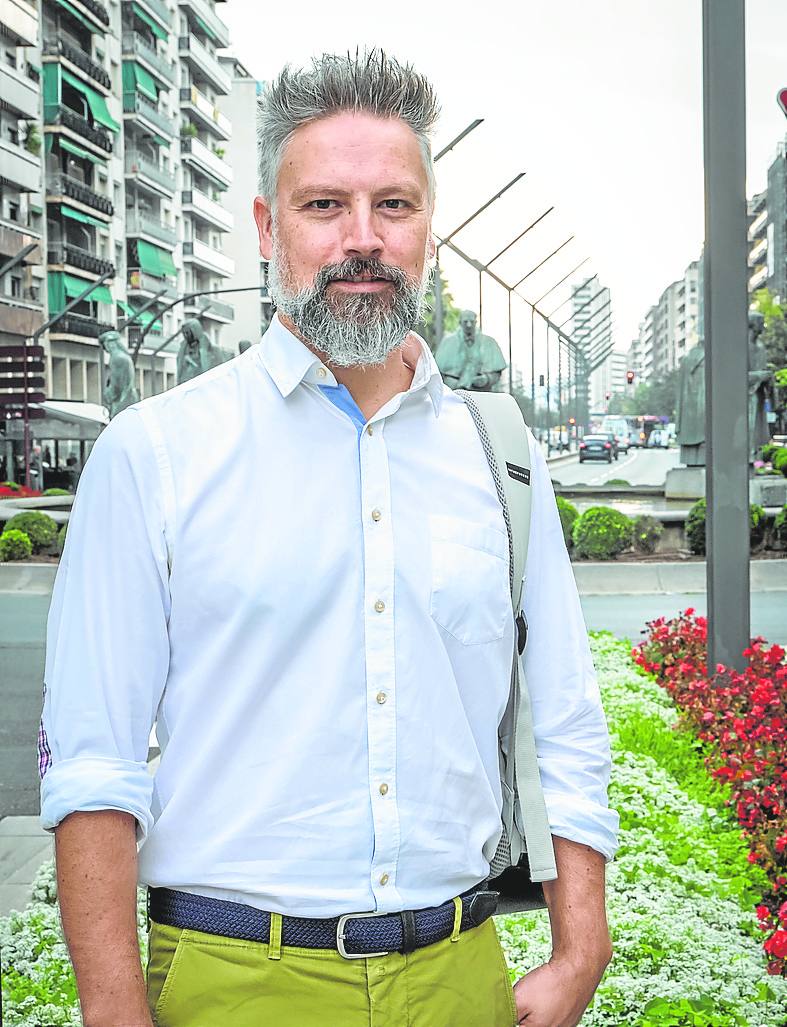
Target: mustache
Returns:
[354, 267]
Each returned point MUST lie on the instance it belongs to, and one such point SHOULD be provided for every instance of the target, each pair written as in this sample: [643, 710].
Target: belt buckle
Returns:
[340, 936]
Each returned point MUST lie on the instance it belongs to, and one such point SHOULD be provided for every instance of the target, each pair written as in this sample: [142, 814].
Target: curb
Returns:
[31, 578]
[667, 578]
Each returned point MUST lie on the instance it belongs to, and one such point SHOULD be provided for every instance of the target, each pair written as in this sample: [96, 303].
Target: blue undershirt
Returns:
[341, 398]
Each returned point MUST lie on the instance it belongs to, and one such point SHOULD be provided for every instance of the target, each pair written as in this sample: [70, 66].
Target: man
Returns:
[468, 359]
[312, 604]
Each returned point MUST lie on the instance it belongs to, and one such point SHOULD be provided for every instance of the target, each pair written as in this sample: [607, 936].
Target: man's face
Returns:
[468, 323]
[353, 223]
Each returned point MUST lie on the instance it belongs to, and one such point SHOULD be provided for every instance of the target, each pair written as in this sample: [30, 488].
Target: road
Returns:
[637, 467]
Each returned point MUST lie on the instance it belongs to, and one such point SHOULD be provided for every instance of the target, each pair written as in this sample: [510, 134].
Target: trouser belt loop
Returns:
[274, 944]
[457, 919]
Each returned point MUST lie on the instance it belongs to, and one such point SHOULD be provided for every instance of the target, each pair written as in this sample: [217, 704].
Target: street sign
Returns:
[17, 381]
[19, 367]
[17, 399]
[781, 99]
[21, 351]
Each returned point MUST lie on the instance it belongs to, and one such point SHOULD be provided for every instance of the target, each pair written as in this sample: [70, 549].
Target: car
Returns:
[658, 439]
[597, 447]
[619, 427]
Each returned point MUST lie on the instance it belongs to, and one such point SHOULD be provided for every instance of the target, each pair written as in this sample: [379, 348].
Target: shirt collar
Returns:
[289, 362]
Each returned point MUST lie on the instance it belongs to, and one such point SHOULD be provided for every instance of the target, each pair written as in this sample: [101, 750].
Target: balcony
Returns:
[134, 103]
[196, 252]
[195, 152]
[146, 171]
[95, 10]
[201, 206]
[204, 112]
[757, 226]
[14, 237]
[145, 224]
[61, 185]
[757, 253]
[20, 22]
[159, 10]
[758, 279]
[18, 92]
[210, 307]
[94, 71]
[76, 256]
[20, 167]
[204, 63]
[135, 46]
[16, 318]
[141, 281]
[78, 324]
[58, 114]
[202, 11]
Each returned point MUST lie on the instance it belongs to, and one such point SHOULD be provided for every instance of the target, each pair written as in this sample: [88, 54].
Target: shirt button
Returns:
[383, 788]
[379, 606]
[384, 879]
[321, 372]
[376, 515]
[369, 429]
[381, 697]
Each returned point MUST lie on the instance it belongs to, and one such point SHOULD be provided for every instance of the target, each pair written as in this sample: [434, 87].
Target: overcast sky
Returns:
[598, 101]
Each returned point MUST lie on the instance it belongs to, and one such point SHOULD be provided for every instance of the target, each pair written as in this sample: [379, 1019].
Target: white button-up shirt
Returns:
[317, 618]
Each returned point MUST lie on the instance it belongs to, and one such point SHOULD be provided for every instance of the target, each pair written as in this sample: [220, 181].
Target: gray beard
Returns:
[360, 329]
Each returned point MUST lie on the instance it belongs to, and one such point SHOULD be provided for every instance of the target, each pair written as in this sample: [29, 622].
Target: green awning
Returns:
[51, 84]
[56, 292]
[89, 25]
[96, 102]
[77, 215]
[77, 151]
[135, 78]
[144, 318]
[207, 29]
[101, 294]
[154, 27]
[60, 286]
[155, 260]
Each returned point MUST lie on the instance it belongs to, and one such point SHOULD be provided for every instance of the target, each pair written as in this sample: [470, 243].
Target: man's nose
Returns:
[362, 236]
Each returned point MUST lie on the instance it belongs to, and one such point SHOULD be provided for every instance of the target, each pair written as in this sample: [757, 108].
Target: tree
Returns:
[450, 314]
[774, 339]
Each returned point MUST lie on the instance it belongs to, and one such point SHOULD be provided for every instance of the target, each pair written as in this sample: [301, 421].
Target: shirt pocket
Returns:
[471, 597]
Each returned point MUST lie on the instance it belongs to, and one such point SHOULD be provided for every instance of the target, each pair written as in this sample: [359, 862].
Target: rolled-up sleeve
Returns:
[572, 740]
[107, 648]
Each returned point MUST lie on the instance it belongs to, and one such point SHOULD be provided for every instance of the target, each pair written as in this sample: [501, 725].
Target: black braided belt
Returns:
[355, 935]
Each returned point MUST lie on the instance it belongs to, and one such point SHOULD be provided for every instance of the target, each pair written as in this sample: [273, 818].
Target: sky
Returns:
[599, 102]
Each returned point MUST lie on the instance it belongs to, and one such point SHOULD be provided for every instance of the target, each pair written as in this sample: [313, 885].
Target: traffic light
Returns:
[572, 420]
[630, 377]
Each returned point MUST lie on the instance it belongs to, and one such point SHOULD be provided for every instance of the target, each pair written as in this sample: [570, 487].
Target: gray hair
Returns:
[370, 81]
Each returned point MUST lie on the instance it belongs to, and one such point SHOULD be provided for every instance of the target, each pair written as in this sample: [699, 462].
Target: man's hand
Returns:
[557, 993]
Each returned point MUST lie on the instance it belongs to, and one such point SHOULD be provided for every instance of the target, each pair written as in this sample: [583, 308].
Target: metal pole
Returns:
[438, 302]
[549, 407]
[533, 362]
[726, 331]
[458, 139]
[481, 209]
[15, 261]
[480, 298]
[510, 349]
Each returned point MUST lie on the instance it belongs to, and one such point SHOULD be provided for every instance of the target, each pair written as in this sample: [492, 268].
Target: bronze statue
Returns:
[469, 360]
[197, 353]
[243, 345]
[759, 381]
[120, 391]
[690, 419]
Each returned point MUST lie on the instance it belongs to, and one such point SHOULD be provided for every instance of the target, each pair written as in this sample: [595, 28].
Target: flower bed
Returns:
[681, 891]
[742, 719]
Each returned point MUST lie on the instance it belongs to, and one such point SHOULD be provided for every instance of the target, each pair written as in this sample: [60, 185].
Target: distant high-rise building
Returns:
[670, 328]
[776, 227]
[592, 332]
[239, 106]
[758, 242]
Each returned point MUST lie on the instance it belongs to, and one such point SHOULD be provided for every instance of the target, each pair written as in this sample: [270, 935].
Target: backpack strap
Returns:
[504, 437]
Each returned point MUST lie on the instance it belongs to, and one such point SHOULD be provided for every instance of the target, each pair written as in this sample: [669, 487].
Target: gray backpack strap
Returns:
[501, 429]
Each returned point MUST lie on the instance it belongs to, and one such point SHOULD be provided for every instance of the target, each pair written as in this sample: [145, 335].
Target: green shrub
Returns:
[780, 527]
[619, 481]
[61, 537]
[601, 533]
[568, 515]
[769, 450]
[39, 527]
[647, 532]
[780, 460]
[13, 485]
[56, 492]
[695, 526]
[14, 545]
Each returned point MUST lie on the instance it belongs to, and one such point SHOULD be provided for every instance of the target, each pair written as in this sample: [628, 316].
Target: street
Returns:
[637, 467]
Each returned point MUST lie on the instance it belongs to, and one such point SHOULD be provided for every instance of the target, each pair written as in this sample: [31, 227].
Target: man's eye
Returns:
[322, 204]
[394, 204]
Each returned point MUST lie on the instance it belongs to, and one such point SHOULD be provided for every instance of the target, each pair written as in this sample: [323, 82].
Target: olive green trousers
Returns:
[200, 980]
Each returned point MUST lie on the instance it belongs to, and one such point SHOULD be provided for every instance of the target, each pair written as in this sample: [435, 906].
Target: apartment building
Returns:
[592, 330]
[757, 210]
[22, 290]
[239, 106]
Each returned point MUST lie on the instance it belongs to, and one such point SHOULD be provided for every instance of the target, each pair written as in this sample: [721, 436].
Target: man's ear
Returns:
[431, 251]
[263, 215]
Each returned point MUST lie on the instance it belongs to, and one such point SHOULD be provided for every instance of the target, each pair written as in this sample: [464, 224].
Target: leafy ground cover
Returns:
[681, 891]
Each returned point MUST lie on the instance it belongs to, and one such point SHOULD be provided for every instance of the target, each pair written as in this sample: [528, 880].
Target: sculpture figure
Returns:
[759, 381]
[120, 391]
[467, 359]
[243, 345]
[690, 419]
[197, 353]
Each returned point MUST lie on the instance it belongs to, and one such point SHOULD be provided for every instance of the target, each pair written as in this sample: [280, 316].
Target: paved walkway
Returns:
[24, 846]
